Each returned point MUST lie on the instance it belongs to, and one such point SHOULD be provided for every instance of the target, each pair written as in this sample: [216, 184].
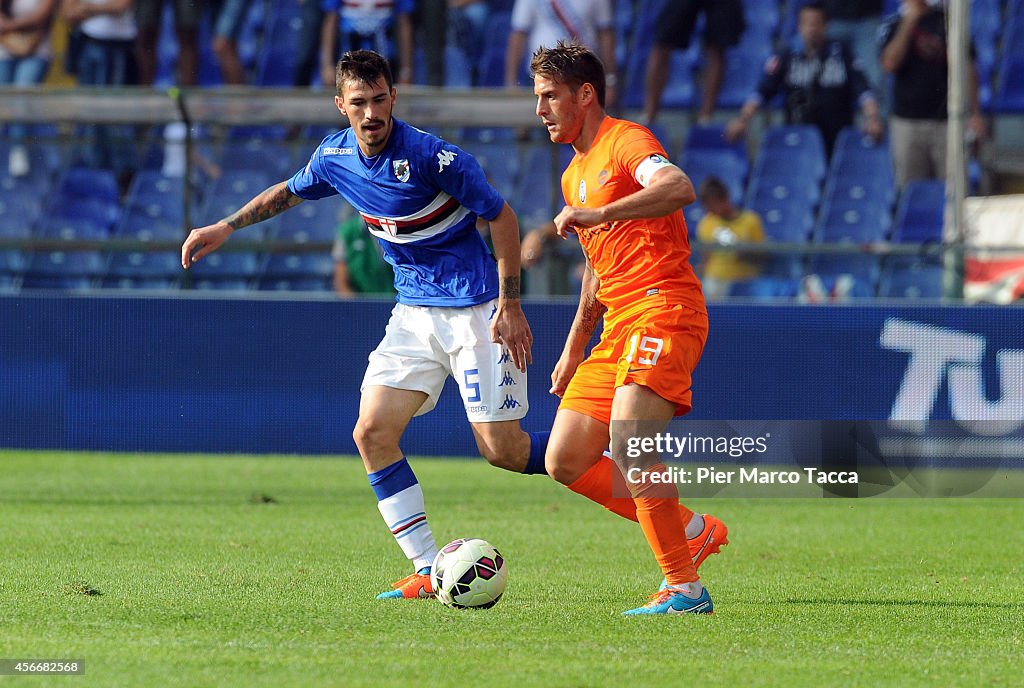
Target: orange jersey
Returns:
[639, 262]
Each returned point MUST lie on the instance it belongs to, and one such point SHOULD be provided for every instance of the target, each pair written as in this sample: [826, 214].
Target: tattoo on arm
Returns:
[267, 204]
[591, 310]
[510, 287]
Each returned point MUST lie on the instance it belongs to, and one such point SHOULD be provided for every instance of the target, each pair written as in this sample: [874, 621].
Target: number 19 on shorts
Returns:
[649, 349]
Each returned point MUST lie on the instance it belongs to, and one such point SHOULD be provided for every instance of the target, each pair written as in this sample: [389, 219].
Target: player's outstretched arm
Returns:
[588, 315]
[205, 240]
[509, 327]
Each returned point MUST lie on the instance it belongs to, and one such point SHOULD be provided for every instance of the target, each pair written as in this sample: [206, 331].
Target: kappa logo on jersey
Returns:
[401, 170]
[583, 191]
[338, 151]
[445, 158]
[507, 380]
[505, 357]
[509, 403]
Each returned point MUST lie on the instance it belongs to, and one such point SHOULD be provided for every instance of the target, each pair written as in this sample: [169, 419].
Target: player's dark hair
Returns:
[712, 188]
[362, 66]
[572, 64]
[817, 6]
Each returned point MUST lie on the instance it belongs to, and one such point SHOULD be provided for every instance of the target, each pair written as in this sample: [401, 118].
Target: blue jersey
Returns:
[420, 197]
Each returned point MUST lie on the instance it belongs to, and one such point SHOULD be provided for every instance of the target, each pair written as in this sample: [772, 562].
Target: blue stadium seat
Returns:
[297, 272]
[232, 191]
[289, 265]
[137, 224]
[159, 270]
[13, 227]
[911, 278]
[863, 163]
[227, 265]
[786, 220]
[537, 187]
[852, 221]
[157, 195]
[500, 161]
[712, 136]
[71, 229]
[851, 140]
[87, 182]
[1009, 91]
[17, 215]
[310, 221]
[12, 261]
[919, 214]
[97, 210]
[764, 190]
[878, 190]
[743, 70]
[725, 164]
[274, 158]
[139, 264]
[795, 148]
[70, 270]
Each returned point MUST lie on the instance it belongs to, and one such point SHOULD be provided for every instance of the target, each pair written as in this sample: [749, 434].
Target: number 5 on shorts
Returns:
[648, 345]
[473, 385]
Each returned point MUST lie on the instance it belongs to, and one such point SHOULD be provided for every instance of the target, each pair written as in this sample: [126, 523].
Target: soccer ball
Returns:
[469, 572]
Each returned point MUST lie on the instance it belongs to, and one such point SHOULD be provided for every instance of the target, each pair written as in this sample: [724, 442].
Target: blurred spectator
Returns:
[187, 13]
[359, 266]
[381, 25]
[430, 23]
[856, 22]
[24, 59]
[914, 50]
[106, 57]
[726, 225]
[307, 61]
[467, 31]
[725, 25]
[821, 83]
[537, 23]
[227, 16]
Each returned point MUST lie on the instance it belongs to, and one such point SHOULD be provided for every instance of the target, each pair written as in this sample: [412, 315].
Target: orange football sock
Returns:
[657, 510]
[597, 485]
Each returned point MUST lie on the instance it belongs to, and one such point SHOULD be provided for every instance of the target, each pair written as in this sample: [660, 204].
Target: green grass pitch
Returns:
[261, 571]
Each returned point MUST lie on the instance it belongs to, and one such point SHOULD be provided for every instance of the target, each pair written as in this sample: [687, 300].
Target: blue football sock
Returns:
[538, 446]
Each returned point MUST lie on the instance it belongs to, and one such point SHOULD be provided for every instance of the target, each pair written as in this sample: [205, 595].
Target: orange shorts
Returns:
[658, 348]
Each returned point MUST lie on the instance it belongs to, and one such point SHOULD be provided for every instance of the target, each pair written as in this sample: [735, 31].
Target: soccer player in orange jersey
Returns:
[624, 200]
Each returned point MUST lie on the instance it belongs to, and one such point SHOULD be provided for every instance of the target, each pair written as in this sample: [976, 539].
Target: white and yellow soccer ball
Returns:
[469, 572]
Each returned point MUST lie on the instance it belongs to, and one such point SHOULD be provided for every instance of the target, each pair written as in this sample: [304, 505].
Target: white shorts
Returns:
[423, 345]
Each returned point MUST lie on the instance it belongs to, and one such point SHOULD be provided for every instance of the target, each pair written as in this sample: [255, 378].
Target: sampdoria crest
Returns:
[401, 170]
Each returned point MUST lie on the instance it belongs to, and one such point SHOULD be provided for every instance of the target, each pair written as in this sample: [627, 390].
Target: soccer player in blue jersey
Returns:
[458, 310]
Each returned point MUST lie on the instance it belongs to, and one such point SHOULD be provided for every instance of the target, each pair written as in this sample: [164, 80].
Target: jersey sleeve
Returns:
[459, 174]
[639, 154]
[310, 183]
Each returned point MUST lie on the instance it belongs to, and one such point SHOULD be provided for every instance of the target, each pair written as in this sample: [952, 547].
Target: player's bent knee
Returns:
[373, 437]
[560, 471]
